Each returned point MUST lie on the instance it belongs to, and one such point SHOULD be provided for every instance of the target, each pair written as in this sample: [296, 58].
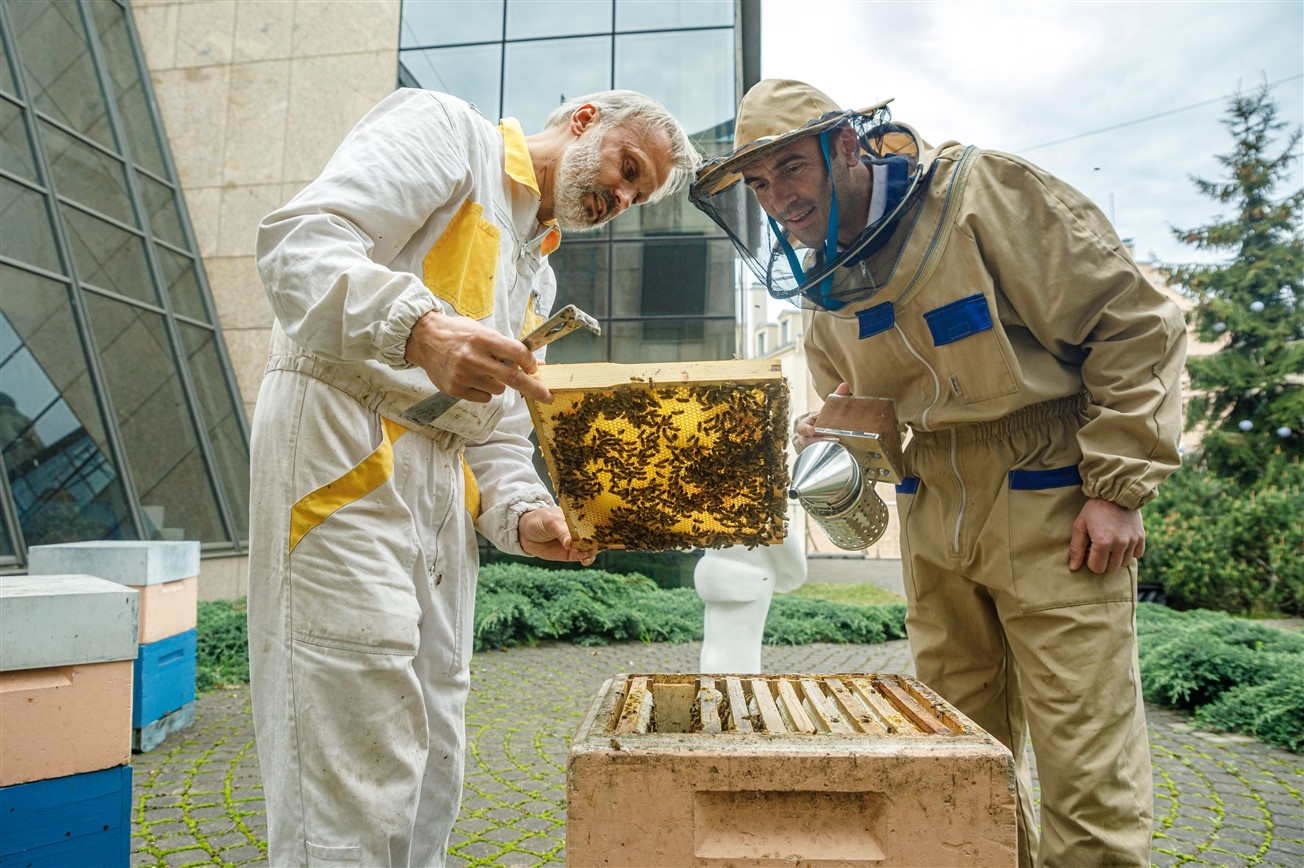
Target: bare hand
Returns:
[472, 361]
[804, 430]
[543, 533]
[1106, 536]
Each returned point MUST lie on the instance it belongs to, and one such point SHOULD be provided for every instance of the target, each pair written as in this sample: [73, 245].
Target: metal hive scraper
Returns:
[560, 324]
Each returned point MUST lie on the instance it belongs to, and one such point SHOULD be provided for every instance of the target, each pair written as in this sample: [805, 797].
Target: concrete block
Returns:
[76, 820]
[820, 770]
[64, 721]
[127, 562]
[168, 609]
[65, 620]
[164, 678]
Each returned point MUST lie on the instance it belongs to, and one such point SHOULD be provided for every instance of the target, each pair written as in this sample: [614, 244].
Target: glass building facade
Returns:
[661, 279]
[119, 414]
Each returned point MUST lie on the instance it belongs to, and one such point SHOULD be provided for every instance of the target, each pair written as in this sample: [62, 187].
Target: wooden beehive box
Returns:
[766, 770]
[667, 456]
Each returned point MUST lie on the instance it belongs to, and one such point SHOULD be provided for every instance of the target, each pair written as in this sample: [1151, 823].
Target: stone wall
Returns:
[255, 95]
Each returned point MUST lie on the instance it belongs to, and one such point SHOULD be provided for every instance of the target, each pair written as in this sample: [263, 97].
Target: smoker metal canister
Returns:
[830, 484]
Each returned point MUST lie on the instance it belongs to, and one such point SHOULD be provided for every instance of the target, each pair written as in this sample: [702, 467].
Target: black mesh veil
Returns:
[891, 151]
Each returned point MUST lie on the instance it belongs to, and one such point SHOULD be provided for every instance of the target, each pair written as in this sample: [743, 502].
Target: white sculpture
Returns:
[736, 584]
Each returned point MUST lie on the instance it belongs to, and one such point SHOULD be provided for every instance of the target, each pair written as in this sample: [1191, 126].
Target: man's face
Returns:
[793, 186]
[607, 170]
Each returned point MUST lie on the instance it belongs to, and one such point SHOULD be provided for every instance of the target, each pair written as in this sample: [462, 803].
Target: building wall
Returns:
[255, 95]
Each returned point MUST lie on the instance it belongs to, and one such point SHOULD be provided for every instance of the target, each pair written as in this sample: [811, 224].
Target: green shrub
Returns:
[1272, 710]
[518, 604]
[1215, 544]
[221, 644]
[1236, 675]
[795, 620]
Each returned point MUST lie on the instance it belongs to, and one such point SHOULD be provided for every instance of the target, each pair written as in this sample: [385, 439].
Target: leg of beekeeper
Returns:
[350, 733]
[1073, 635]
[1069, 636]
[955, 635]
[736, 585]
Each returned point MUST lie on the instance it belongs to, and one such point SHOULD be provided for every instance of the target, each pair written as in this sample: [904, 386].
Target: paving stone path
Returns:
[1219, 800]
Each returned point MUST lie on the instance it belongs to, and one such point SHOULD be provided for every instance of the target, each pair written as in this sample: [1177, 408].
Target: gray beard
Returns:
[577, 177]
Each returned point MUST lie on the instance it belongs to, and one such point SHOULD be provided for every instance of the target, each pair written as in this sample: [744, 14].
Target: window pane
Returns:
[448, 22]
[6, 544]
[15, 150]
[673, 277]
[542, 75]
[120, 58]
[6, 77]
[684, 72]
[471, 73]
[64, 482]
[222, 421]
[683, 340]
[581, 269]
[175, 492]
[25, 231]
[533, 18]
[87, 174]
[670, 14]
[109, 257]
[161, 204]
[182, 285]
[52, 45]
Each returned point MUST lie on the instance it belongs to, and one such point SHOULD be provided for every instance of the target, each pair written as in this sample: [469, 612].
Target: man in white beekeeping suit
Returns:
[417, 257]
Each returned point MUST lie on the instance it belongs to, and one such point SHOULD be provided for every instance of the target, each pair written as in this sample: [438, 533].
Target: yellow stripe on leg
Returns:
[365, 477]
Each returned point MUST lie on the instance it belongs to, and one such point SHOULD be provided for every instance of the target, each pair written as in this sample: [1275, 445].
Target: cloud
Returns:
[1014, 76]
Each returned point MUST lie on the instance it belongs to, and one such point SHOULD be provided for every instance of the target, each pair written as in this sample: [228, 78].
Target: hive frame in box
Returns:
[714, 464]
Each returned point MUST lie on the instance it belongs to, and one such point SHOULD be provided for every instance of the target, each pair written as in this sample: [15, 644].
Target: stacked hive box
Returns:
[785, 770]
[166, 574]
[67, 645]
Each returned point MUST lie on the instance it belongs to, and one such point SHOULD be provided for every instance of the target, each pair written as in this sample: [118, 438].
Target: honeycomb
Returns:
[649, 458]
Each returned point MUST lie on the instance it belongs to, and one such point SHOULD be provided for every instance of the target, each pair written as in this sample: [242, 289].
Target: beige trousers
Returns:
[1001, 628]
[362, 573]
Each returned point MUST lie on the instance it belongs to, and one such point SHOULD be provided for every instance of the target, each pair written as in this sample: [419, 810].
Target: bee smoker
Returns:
[829, 482]
[836, 484]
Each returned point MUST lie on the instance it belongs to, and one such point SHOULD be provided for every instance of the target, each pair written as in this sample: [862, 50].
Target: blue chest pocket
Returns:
[959, 320]
[968, 351]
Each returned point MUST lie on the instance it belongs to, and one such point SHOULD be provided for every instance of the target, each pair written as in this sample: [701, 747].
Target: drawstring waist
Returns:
[1030, 417]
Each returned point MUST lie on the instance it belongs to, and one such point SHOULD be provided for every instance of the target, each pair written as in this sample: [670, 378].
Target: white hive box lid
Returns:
[127, 562]
[65, 620]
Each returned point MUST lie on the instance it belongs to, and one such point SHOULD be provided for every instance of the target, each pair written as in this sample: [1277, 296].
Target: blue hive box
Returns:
[164, 678]
[79, 820]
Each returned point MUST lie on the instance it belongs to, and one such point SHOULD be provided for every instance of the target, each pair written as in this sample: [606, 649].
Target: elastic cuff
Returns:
[394, 332]
[1129, 497]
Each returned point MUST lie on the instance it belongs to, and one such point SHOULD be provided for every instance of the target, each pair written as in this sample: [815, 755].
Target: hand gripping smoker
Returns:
[834, 478]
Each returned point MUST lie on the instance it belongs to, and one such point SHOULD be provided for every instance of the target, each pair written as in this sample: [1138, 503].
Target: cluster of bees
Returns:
[651, 467]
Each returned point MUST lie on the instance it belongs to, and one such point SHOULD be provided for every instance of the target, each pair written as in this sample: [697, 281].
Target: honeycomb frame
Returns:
[651, 457]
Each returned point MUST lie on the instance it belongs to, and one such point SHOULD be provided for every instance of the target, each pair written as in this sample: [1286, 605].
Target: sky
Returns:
[1023, 76]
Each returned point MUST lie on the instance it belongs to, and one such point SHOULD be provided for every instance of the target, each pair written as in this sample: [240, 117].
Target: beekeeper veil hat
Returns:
[774, 114]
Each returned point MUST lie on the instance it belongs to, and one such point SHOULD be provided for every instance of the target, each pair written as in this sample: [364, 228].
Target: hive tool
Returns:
[560, 324]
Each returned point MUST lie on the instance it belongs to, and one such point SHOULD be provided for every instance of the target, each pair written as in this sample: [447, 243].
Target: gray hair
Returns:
[629, 108]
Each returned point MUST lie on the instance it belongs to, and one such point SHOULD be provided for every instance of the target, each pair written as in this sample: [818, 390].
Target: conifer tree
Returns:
[1248, 397]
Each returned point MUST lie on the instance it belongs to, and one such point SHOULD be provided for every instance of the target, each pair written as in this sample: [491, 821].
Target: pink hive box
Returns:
[168, 609]
[64, 720]
[773, 770]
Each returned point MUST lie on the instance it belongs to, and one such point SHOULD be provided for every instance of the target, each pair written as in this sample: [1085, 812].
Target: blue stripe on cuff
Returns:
[908, 485]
